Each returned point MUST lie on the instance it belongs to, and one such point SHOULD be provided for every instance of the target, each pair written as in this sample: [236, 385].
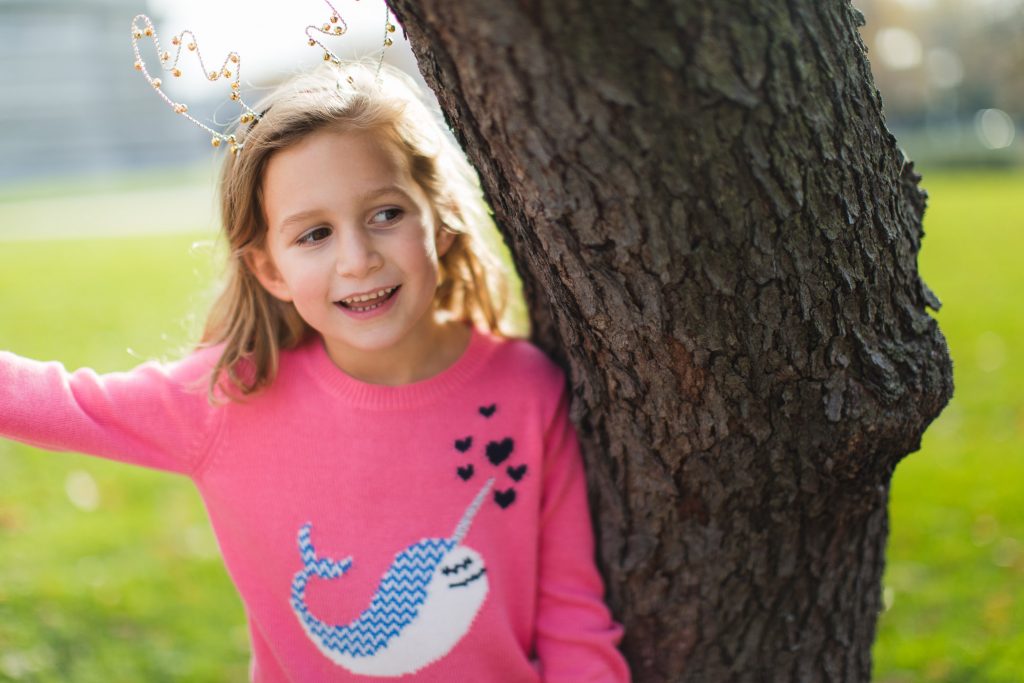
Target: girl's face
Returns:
[346, 221]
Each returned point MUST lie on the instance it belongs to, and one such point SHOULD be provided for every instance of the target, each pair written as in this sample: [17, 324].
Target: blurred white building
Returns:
[70, 99]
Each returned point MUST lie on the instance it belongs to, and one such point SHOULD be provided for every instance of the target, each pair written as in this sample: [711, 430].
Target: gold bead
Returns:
[390, 28]
[192, 47]
[245, 118]
[176, 72]
[231, 139]
[234, 86]
[227, 74]
[387, 42]
[213, 76]
[138, 66]
[137, 35]
[215, 142]
[337, 30]
[165, 56]
[235, 149]
[180, 108]
[235, 96]
[327, 57]
[175, 40]
[327, 27]
[334, 18]
[149, 30]
[312, 42]
[157, 82]
[234, 58]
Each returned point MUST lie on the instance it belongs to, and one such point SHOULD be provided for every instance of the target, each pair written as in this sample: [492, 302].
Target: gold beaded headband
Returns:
[231, 68]
[338, 27]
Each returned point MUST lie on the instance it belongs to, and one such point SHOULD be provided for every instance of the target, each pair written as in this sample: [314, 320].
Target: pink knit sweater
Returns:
[436, 531]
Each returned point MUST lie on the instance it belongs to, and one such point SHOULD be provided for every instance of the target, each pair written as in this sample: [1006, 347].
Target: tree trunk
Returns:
[718, 236]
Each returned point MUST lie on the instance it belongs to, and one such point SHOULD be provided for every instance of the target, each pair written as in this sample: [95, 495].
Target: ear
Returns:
[443, 239]
[261, 265]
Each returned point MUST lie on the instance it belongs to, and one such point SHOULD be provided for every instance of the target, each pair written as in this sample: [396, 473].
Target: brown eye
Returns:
[387, 215]
[315, 235]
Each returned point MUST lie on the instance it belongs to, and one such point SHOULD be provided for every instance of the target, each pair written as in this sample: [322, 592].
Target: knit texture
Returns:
[434, 531]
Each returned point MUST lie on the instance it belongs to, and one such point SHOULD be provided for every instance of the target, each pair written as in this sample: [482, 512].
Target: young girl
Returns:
[396, 488]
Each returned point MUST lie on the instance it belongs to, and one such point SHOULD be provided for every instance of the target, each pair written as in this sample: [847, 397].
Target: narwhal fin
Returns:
[323, 567]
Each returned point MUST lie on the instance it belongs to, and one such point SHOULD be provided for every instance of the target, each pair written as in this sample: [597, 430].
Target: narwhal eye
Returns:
[457, 567]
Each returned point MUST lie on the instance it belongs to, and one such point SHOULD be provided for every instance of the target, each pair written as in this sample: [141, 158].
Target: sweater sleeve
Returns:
[576, 635]
[156, 416]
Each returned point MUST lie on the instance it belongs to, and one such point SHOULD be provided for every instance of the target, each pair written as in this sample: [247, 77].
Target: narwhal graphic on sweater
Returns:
[424, 605]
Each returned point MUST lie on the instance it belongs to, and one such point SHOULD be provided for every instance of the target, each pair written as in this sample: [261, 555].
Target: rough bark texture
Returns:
[719, 237]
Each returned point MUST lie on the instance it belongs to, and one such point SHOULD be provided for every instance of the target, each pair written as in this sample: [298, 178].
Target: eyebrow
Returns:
[380, 191]
[304, 216]
[300, 217]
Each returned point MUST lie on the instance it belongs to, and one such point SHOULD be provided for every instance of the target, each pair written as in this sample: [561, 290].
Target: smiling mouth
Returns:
[369, 303]
[469, 580]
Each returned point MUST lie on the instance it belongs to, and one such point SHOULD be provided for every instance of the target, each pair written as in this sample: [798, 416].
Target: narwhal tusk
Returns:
[463, 527]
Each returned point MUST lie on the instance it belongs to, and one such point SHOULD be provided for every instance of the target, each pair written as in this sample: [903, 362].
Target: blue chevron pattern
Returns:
[395, 604]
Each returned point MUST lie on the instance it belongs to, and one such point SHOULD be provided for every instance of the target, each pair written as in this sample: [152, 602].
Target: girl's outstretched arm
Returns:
[155, 416]
[576, 637]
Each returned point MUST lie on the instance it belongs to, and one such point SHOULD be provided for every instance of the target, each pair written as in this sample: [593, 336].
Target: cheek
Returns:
[418, 253]
[306, 276]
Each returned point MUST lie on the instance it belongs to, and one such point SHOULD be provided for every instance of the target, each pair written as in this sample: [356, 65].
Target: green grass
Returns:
[127, 584]
[956, 550]
[119, 579]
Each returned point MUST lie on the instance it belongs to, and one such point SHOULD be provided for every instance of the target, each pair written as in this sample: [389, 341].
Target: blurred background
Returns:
[108, 257]
[951, 74]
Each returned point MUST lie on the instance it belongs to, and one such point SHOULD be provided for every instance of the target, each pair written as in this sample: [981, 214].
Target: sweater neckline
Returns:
[391, 397]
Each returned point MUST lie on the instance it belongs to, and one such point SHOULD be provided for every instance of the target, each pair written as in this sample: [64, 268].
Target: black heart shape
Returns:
[463, 444]
[497, 453]
[516, 472]
[487, 411]
[504, 498]
[465, 472]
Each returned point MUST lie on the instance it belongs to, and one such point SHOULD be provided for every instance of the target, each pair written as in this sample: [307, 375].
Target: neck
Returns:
[416, 358]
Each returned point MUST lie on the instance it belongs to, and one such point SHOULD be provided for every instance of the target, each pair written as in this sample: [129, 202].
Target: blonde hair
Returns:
[253, 325]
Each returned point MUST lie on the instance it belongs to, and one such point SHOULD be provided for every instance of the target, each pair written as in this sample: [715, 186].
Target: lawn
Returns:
[954, 584]
[110, 573]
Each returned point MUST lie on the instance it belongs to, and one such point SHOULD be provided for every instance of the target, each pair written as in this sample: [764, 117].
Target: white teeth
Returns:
[369, 297]
[367, 308]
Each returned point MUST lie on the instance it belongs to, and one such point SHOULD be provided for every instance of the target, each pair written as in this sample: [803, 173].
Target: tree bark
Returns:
[719, 237]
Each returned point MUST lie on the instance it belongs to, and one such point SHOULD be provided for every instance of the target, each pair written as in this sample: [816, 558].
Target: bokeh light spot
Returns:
[898, 48]
[995, 128]
[82, 490]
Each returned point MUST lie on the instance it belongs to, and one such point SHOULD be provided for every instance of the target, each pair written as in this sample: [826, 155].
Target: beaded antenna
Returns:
[231, 68]
[337, 26]
[142, 27]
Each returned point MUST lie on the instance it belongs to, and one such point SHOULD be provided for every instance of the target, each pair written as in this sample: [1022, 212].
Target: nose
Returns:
[358, 255]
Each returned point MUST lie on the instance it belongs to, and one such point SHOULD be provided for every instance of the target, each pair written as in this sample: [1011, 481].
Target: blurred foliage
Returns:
[957, 56]
[940, 65]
